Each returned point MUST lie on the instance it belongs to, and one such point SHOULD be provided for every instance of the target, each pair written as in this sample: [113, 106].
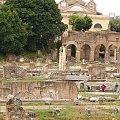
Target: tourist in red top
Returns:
[103, 88]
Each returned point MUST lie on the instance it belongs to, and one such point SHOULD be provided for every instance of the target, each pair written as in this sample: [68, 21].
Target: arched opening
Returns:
[100, 53]
[112, 53]
[97, 25]
[85, 52]
[71, 52]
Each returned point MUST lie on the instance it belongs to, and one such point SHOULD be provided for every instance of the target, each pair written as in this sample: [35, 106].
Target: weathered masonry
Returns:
[39, 90]
[101, 46]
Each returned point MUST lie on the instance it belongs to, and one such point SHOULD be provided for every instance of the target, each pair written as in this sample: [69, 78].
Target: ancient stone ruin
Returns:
[39, 90]
[15, 111]
[14, 72]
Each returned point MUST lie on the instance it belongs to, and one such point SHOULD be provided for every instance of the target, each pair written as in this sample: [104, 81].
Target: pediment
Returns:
[76, 8]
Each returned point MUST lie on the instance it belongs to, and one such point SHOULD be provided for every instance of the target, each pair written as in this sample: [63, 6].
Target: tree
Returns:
[87, 23]
[43, 18]
[80, 23]
[72, 20]
[115, 25]
[13, 32]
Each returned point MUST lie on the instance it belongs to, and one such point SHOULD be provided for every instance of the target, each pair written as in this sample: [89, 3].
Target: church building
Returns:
[79, 7]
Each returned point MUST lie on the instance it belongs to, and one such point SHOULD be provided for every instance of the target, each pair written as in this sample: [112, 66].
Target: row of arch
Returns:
[99, 52]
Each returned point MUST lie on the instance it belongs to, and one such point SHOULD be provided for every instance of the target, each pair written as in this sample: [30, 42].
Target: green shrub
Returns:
[31, 55]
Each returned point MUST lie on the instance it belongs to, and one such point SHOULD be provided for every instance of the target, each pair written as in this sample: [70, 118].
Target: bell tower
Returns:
[63, 4]
[91, 5]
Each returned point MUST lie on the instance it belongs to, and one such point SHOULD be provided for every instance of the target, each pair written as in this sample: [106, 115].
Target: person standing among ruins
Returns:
[103, 88]
[116, 87]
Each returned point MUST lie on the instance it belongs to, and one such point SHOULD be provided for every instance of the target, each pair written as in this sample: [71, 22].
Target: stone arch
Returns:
[85, 52]
[112, 53]
[99, 53]
[71, 52]
[97, 25]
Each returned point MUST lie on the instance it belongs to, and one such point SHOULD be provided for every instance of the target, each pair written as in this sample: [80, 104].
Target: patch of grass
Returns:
[82, 90]
[71, 114]
[65, 114]
[108, 110]
[116, 96]
[61, 104]
[33, 104]
[116, 103]
[25, 80]
[116, 79]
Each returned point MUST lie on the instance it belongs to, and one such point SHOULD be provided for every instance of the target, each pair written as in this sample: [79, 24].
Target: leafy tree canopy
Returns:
[72, 20]
[87, 23]
[80, 23]
[13, 32]
[115, 25]
[43, 18]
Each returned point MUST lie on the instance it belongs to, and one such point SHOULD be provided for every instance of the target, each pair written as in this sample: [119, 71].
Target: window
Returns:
[97, 25]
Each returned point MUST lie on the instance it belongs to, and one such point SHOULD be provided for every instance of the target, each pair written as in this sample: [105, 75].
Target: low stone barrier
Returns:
[39, 90]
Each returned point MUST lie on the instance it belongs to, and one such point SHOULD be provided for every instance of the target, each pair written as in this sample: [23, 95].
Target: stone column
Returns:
[92, 55]
[60, 59]
[64, 58]
[106, 56]
[115, 55]
[118, 55]
[77, 55]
